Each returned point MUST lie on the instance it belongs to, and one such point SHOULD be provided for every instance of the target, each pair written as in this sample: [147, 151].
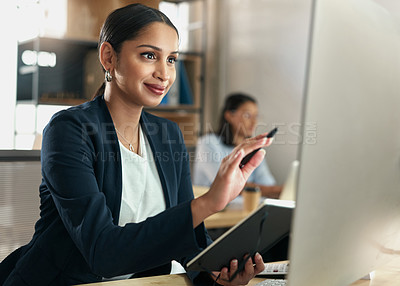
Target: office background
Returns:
[256, 46]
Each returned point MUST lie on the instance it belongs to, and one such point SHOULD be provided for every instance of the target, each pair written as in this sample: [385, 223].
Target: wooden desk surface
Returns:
[167, 280]
[226, 218]
[387, 275]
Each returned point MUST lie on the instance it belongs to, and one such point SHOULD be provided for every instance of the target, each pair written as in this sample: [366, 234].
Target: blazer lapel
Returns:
[154, 131]
[112, 157]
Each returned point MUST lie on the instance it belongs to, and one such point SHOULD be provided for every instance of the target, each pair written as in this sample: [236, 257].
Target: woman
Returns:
[238, 122]
[116, 195]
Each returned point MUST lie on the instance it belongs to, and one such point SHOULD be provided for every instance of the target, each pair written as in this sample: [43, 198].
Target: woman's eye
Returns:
[172, 60]
[149, 56]
[247, 115]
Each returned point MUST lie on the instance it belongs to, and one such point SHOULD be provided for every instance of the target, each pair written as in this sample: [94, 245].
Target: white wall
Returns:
[263, 50]
[8, 74]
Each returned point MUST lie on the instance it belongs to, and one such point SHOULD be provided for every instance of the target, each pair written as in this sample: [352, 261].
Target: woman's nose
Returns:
[162, 72]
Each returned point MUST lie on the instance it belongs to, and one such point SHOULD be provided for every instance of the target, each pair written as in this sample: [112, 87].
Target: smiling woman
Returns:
[149, 59]
[116, 195]
[142, 73]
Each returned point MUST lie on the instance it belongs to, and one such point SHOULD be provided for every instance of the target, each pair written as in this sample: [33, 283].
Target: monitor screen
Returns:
[347, 217]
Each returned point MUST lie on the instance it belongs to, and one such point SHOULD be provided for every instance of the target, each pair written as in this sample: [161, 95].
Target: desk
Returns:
[387, 275]
[167, 280]
[226, 218]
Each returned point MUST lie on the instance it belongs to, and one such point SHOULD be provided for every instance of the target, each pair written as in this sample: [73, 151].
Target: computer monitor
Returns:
[289, 187]
[347, 217]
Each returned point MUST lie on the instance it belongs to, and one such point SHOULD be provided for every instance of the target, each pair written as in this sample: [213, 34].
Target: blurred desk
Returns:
[230, 216]
[387, 275]
[225, 219]
[167, 280]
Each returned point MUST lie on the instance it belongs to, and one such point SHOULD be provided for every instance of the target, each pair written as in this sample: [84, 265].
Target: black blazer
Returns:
[77, 238]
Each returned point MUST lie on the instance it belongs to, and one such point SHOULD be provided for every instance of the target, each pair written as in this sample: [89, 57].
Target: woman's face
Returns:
[244, 119]
[145, 69]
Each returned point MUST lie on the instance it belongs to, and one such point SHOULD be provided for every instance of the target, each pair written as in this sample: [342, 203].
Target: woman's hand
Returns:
[230, 179]
[242, 278]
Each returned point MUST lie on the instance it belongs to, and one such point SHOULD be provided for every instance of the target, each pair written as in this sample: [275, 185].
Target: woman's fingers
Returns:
[230, 178]
[224, 277]
[261, 136]
[253, 143]
[233, 267]
[253, 163]
[260, 266]
[249, 145]
[250, 270]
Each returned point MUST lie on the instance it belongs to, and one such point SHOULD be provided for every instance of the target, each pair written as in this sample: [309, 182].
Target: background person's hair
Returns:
[232, 103]
[125, 24]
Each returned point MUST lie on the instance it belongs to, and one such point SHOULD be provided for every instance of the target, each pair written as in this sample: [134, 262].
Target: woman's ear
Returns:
[228, 115]
[107, 56]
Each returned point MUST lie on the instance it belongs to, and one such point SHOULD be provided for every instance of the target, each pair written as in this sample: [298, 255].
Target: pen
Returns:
[250, 155]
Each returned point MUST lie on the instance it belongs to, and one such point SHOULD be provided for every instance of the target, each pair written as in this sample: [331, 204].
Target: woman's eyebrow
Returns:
[155, 48]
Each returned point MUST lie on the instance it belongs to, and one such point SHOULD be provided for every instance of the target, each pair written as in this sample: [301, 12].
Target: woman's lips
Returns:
[155, 88]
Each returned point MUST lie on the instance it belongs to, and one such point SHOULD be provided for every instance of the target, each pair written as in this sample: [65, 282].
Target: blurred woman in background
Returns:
[238, 122]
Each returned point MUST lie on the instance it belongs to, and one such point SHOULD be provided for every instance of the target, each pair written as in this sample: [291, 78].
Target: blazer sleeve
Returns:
[201, 234]
[69, 154]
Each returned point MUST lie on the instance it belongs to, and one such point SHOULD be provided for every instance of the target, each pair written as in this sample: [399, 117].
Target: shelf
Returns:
[62, 101]
[187, 122]
[72, 75]
[81, 42]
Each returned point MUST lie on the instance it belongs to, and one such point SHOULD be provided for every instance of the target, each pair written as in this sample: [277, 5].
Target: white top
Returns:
[142, 194]
[210, 151]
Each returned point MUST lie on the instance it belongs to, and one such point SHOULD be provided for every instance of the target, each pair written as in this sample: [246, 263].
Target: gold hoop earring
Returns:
[107, 76]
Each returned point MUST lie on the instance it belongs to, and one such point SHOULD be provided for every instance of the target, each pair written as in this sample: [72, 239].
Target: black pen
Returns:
[250, 155]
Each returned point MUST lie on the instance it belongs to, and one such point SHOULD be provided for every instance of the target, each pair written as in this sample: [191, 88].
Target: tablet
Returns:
[258, 232]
